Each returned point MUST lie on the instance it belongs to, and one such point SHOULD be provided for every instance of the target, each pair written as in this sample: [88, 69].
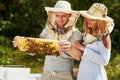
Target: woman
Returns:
[96, 45]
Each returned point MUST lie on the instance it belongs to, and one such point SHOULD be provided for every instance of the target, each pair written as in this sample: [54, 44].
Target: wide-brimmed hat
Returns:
[61, 6]
[97, 11]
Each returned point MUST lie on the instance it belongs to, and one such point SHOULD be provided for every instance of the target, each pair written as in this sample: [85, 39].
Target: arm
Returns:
[15, 40]
[102, 56]
[67, 47]
[107, 41]
[75, 53]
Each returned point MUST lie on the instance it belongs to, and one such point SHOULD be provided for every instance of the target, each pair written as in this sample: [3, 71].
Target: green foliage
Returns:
[113, 68]
[26, 16]
[116, 40]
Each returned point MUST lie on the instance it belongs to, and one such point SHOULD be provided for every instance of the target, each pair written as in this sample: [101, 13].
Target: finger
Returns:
[65, 50]
[60, 43]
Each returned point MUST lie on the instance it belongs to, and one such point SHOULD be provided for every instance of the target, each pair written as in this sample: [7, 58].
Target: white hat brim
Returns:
[60, 10]
[88, 15]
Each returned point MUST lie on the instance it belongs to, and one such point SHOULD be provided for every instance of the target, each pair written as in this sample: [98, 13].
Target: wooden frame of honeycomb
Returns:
[38, 46]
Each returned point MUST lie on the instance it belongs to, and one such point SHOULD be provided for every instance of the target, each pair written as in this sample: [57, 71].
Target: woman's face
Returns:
[91, 23]
[62, 18]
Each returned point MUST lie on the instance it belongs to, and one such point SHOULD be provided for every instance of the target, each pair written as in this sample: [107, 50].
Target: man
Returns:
[60, 25]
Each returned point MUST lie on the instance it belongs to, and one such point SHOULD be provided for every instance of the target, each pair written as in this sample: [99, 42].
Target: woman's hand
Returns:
[78, 45]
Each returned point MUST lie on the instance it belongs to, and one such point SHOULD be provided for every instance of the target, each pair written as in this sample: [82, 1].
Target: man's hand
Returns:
[64, 46]
[15, 43]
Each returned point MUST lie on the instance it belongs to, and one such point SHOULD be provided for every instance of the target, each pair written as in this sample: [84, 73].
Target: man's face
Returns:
[62, 18]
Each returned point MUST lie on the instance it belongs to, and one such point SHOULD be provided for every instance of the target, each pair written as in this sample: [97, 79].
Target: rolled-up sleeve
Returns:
[97, 53]
[77, 35]
[44, 33]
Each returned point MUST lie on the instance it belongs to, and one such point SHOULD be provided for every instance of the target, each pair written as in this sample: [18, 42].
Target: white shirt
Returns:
[94, 58]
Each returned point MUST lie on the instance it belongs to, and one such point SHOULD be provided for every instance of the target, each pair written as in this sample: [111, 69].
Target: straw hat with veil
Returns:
[97, 11]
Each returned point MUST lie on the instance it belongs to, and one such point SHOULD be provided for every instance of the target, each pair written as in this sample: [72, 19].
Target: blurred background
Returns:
[28, 18]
